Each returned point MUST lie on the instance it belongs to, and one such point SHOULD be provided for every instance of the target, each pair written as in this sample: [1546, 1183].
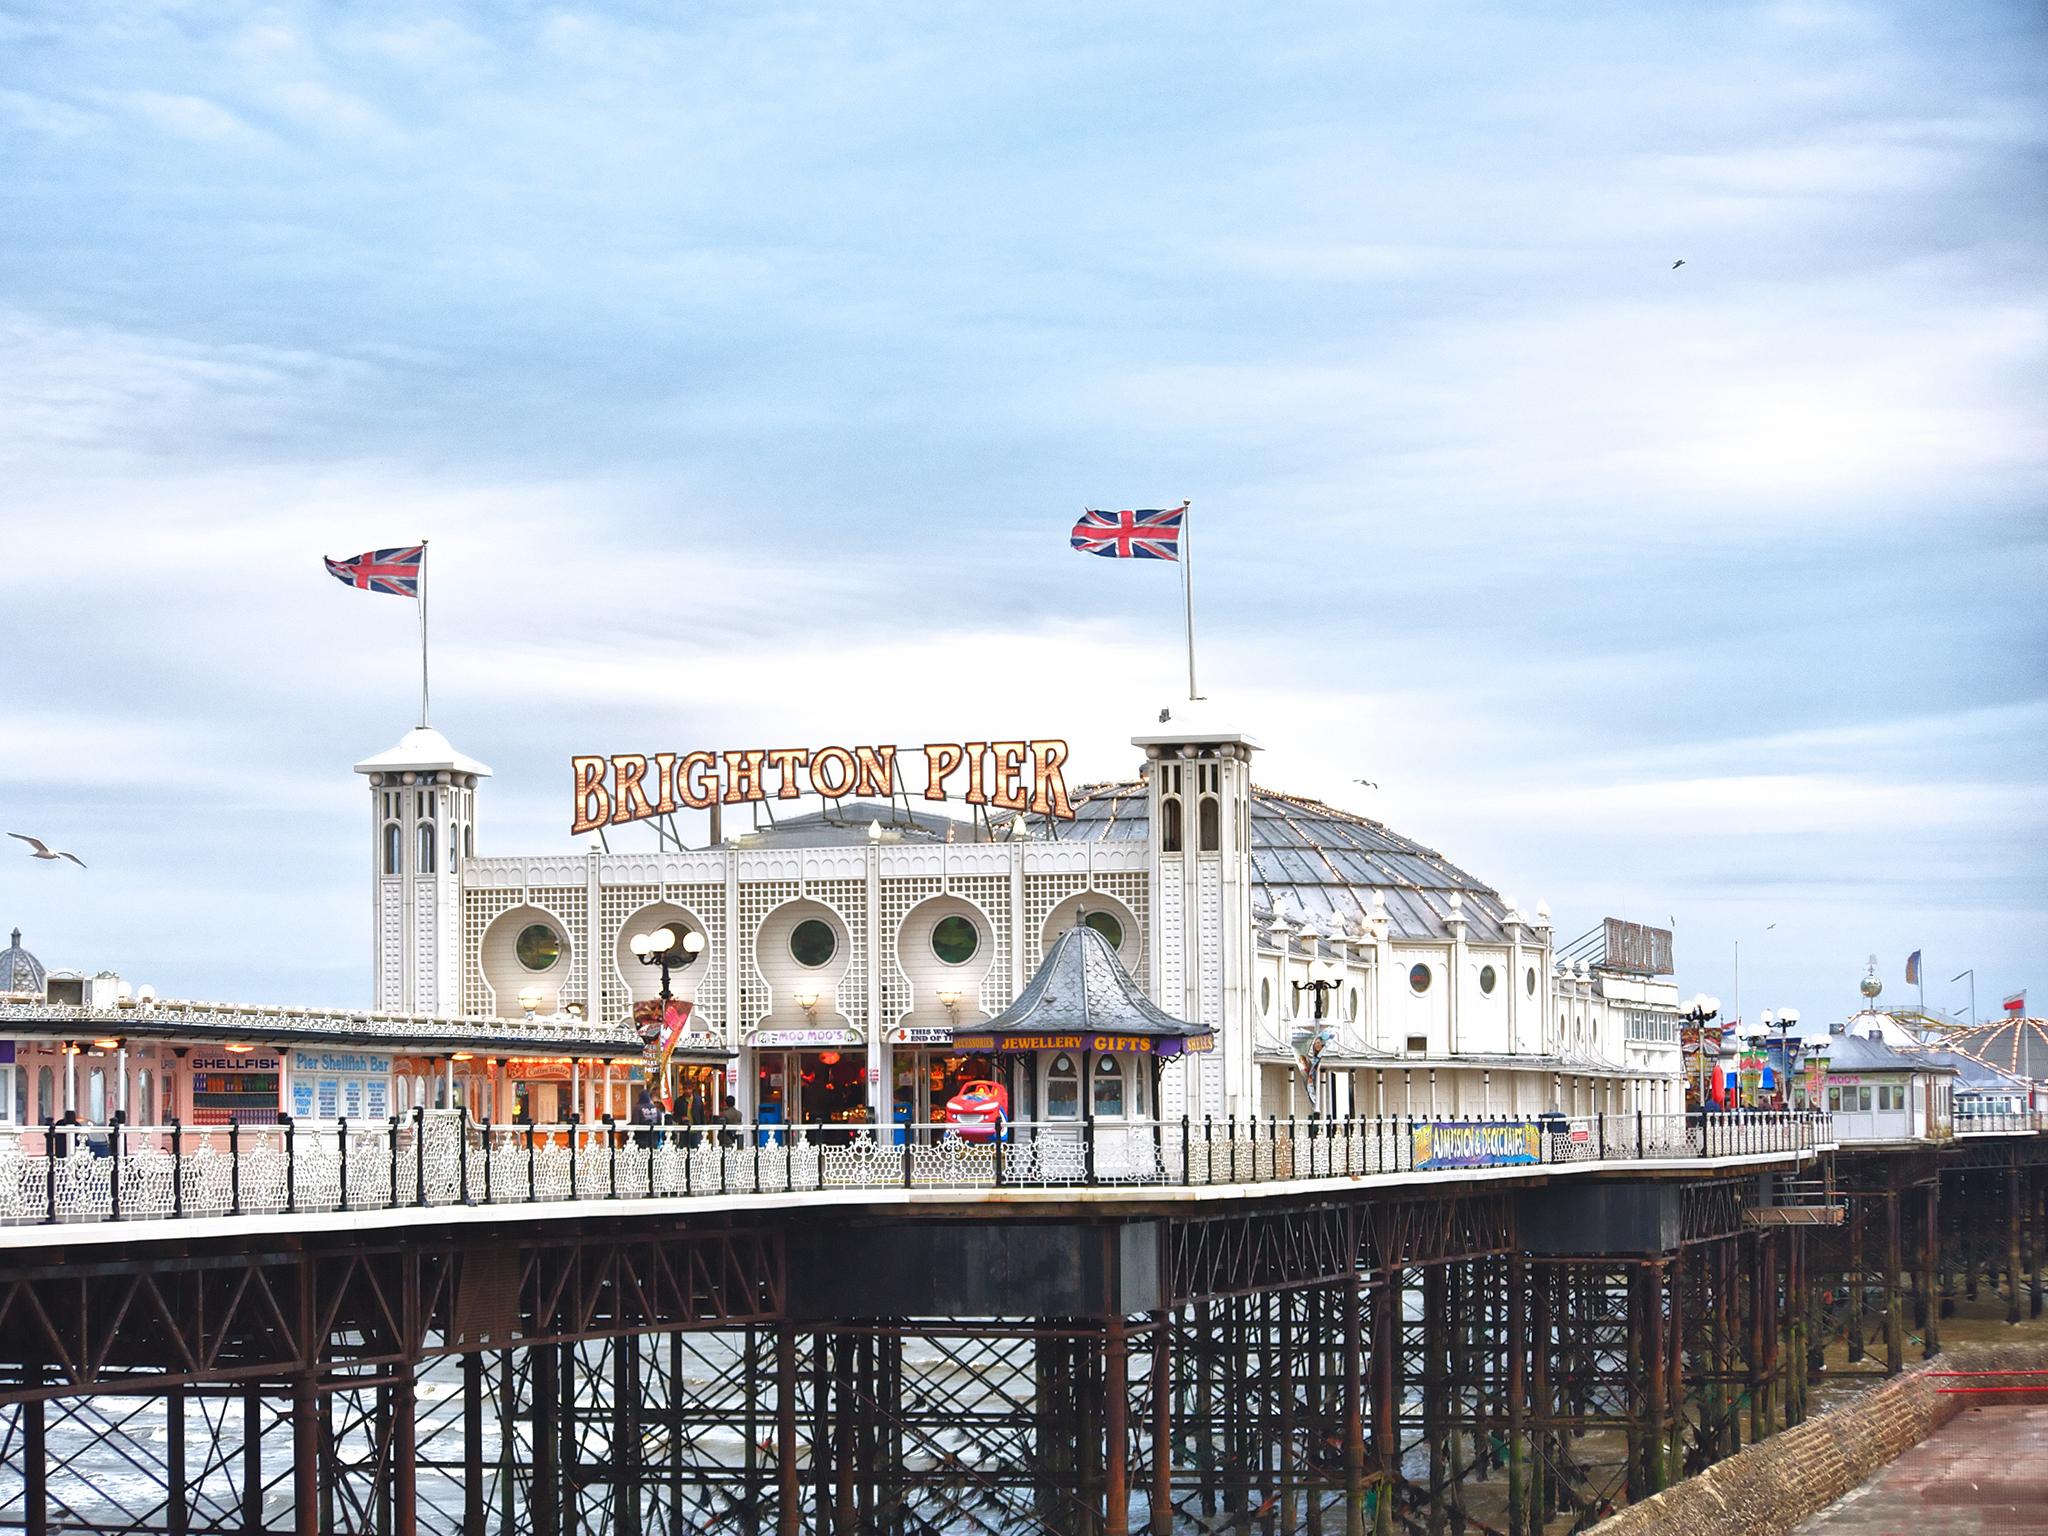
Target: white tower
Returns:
[422, 829]
[1200, 803]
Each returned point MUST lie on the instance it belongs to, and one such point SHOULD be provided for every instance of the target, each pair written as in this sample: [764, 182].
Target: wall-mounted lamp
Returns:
[530, 998]
[950, 1001]
[808, 1001]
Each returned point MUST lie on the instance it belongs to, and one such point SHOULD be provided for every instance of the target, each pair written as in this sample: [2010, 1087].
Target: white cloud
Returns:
[47, 115]
[194, 117]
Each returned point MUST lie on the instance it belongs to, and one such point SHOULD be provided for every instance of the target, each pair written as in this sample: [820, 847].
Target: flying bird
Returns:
[1368, 783]
[1678, 263]
[38, 849]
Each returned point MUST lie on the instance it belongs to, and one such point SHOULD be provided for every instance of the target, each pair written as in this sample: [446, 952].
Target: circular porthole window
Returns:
[1265, 997]
[1106, 925]
[955, 939]
[1529, 981]
[1418, 978]
[538, 947]
[1488, 979]
[812, 942]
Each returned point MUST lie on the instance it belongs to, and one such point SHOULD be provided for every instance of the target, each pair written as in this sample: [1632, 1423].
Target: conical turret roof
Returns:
[20, 971]
[1081, 992]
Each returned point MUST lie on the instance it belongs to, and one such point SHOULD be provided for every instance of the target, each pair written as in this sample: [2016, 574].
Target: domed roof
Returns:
[423, 749]
[1322, 862]
[20, 971]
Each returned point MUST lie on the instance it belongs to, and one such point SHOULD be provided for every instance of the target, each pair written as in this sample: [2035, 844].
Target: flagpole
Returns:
[423, 634]
[1187, 591]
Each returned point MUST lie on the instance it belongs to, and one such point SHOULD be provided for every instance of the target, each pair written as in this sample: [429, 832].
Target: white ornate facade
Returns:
[870, 945]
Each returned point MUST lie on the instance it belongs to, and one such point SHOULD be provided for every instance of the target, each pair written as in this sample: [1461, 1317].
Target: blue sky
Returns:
[746, 366]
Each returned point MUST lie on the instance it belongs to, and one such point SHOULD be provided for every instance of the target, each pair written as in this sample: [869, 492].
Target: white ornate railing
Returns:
[1999, 1122]
[65, 1173]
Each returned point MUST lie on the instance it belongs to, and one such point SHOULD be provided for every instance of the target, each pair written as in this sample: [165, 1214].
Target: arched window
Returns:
[142, 1108]
[1107, 1085]
[424, 864]
[96, 1096]
[21, 1116]
[46, 1095]
[1169, 824]
[1062, 1089]
[393, 845]
[469, 840]
[1211, 830]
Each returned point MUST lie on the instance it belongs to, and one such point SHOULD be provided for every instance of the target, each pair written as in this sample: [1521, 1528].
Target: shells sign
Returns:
[633, 786]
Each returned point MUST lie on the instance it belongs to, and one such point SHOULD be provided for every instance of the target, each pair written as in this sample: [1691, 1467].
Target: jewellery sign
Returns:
[633, 786]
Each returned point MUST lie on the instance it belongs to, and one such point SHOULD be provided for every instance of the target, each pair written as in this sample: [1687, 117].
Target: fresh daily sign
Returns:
[632, 786]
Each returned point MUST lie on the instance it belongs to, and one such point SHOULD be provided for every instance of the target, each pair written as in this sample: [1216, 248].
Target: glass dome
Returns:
[20, 971]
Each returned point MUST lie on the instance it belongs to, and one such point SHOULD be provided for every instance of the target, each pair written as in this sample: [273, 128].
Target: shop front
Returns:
[929, 1071]
[1079, 1052]
[817, 1078]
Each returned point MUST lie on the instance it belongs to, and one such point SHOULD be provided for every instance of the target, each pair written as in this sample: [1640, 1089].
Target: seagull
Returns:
[1368, 783]
[38, 849]
[1678, 263]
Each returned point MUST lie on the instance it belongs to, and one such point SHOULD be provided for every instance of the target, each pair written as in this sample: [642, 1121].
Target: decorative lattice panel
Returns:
[1041, 894]
[897, 899]
[425, 935]
[706, 904]
[1172, 948]
[849, 898]
[1209, 940]
[1134, 889]
[991, 893]
[480, 908]
[615, 903]
[757, 899]
[391, 949]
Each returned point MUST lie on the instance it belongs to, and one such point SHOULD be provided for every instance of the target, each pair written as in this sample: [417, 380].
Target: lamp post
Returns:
[668, 949]
[1788, 1018]
[1699, 1013]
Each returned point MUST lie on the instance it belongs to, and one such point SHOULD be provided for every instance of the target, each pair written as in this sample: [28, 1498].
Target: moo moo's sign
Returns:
[632, 786]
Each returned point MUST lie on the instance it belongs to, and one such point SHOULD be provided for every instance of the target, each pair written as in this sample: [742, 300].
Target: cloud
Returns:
[48, 116]
[327, 110]
[194, 117]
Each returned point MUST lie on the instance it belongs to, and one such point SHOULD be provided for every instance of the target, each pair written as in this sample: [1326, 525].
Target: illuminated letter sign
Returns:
[632, 786]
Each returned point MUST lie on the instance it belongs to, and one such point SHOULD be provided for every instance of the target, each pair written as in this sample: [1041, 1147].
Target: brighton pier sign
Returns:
[634, 786]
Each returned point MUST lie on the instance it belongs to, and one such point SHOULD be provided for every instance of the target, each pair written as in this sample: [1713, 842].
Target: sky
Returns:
[746, 365]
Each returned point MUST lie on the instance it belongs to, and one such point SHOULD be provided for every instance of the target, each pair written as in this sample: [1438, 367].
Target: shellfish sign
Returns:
[632, 786]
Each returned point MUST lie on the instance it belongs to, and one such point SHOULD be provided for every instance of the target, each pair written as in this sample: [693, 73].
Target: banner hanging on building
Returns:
[1476, 1144]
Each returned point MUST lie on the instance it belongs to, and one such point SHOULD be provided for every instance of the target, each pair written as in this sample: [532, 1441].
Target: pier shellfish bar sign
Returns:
[633, 786]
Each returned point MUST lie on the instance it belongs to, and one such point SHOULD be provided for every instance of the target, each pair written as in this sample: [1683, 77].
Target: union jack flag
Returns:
[1142, 535]
[396, 571]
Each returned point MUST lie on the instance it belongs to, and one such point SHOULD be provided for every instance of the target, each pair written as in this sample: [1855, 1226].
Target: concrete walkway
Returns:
[1984, 1473]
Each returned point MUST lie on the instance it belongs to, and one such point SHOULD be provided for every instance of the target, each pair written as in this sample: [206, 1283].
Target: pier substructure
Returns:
[1498, 1356]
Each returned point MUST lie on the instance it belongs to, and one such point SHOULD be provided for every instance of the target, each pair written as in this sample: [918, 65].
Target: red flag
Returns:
[2017, 1003]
